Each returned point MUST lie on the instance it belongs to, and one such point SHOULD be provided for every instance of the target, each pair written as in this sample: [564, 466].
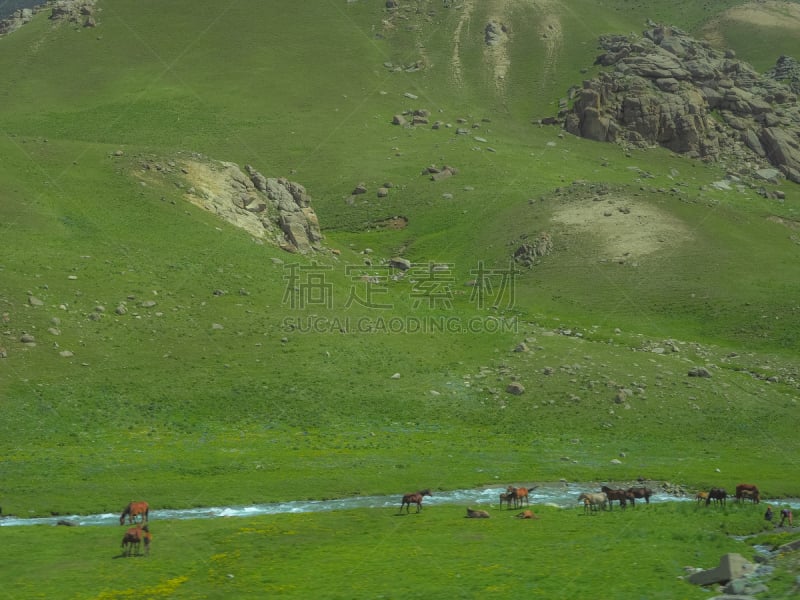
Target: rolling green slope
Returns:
[225, 353]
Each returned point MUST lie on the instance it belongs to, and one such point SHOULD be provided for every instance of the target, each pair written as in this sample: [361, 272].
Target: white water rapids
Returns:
[560, 495]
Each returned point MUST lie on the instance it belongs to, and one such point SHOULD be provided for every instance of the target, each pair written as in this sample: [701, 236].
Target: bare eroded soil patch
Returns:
[766, 13]
[625, 228]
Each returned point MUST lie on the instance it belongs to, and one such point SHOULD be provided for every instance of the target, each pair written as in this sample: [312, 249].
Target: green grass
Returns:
[376, 553]
[219, 398]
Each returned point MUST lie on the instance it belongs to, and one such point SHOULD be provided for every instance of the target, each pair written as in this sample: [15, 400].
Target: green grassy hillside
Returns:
[238, 372]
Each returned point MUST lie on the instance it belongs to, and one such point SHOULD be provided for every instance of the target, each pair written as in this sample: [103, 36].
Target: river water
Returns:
[560, 495]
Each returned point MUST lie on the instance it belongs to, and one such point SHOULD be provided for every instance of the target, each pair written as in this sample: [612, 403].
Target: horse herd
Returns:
[516, 496]
[134, 536]
[519, 497]
[592, 501]
[717, 495]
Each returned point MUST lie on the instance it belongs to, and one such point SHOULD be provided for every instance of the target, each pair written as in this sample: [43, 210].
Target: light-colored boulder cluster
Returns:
[77, 12]
[271, 209]
[16, 20]
[666, 88]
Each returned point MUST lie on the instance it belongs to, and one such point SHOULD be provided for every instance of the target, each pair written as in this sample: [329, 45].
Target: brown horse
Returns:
[717, 495]
[635, 493]
[701, 497]
[133, 510]
[477, 514]
[743, 495]
[752, 492]
[134, 537]
[621, 495]
[527, 514]
[519, 495]
[415, 498]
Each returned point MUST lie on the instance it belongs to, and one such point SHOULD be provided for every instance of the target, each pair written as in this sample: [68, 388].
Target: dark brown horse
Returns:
[133, 510]
[621, 495]
[505, 498]
[134, 537]
[637, 493]
[415, 498]
[748, 491]
[477, 514]
[717, 495]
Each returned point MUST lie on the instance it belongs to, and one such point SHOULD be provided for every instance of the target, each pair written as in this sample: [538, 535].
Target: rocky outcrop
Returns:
[16, 20]
[271, 209]
[79, 12]
[731, 566]
[666, 88]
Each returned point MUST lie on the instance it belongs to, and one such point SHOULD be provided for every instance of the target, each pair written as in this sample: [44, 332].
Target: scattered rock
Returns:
[515, 388]
[699, 372]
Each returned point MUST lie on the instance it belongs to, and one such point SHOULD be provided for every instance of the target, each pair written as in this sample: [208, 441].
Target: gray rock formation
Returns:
[275, 210]
[666, 88]
[731, 566]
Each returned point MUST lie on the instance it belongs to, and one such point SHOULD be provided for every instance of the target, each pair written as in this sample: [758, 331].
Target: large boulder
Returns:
[731, 566]
[662, 88]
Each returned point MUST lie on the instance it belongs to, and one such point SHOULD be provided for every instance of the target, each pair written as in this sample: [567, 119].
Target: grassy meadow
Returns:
[239, 373]
[377, 553]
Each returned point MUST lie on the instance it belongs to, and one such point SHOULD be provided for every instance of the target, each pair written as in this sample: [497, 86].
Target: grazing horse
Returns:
[415, 498]
[134, 537]
[519, 495]
[133, 510]
[752, 492]
[639, 492]
[592, 500]
[717, 495]
[701, 497]
[477, 514]
[621, 495]
[505, 498]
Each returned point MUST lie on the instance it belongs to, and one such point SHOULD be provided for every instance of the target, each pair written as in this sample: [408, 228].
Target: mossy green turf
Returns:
[378, 553]
[209, 399]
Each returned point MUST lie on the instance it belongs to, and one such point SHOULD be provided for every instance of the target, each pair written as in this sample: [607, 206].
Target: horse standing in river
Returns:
[592, 500]
[518, 495]
[416, 498]
[635, 493]
[621, 495]
[717, 495]
[748, 491]
[133, 510]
